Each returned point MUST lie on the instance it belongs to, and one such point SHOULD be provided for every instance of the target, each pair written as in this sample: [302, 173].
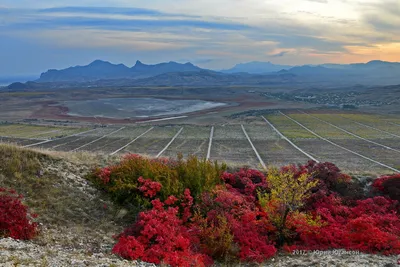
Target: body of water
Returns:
[136, 107]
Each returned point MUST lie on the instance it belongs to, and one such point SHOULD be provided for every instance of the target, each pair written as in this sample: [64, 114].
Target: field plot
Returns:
[60, 133]
[36, 131]
[375, 121]
[192, 141]
[348, 125]
[321, 128]
[21, 131]
[389, 141]
[18, 141]
[153, 142]
[272, 149]
[32, 131]
[345, 160]
[75, 136]
[372, 151]
[117, 140]
[288, 128]
[230, 145]
[75, 142]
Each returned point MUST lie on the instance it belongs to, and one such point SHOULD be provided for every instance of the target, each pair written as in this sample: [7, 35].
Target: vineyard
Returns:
[355, 142]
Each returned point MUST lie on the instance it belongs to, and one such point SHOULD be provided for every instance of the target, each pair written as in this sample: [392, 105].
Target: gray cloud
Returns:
[383, 17]
[281, 54]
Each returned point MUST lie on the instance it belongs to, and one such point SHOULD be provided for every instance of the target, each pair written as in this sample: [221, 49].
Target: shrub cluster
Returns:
[15, 221]
[121, 180]
[247, 215]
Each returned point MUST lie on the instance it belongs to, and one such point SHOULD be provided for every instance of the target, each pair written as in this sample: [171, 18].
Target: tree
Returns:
[289, 190]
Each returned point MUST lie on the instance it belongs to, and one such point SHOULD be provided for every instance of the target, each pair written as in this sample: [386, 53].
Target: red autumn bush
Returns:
[240, 218]
[252, 236]
[331, 179]
[371, 226]
[15, 221]
[249, 228]
[148, 187]
[388, 185]
[225, 225]
[159, 236]
[245, 181]
[328, 173]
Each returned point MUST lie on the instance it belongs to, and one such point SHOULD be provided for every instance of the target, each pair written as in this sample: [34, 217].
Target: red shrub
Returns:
[249, 227]
[378, 183]
[365, 234]
[245, 181]
[187, 204]
[329, 175]
[231, 204]
[159, 236]
[388, 186]
[105, 174]
[148, 187]
[371, 226]
[129, 248]
[15, 221]
[251, 234]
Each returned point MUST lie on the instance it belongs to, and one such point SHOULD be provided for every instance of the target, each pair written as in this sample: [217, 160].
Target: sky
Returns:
[216, 34]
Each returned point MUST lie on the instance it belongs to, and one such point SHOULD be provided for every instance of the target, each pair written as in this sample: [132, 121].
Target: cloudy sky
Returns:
[43, 34]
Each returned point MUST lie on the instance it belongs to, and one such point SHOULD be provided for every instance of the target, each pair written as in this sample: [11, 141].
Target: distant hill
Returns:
[377, 69]
[372, 65]
[5, 80]
[256, 67]
[316, 71]
[143, 70]
[372, 73]
[99, 69]
[185, 78]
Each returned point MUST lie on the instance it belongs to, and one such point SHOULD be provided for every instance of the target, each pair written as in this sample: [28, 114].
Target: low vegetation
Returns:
[122, 181]
[15, 220]
[246, 215]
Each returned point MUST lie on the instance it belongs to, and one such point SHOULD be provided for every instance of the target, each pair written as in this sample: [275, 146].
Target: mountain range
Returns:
[103, 73]
[99, 69]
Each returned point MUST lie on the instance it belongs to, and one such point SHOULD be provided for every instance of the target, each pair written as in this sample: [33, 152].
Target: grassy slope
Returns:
[72, 214]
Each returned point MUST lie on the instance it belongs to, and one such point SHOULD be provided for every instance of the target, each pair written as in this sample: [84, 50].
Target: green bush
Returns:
[121, 180]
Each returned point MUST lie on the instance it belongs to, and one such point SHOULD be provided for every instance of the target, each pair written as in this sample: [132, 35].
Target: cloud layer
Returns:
[37, 35]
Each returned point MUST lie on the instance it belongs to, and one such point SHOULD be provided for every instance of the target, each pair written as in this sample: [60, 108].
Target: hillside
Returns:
[183, 78]
[99, 69]
[77, 221]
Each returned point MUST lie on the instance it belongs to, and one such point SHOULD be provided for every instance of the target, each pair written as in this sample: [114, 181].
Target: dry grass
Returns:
[71, 212]
[80, 157]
